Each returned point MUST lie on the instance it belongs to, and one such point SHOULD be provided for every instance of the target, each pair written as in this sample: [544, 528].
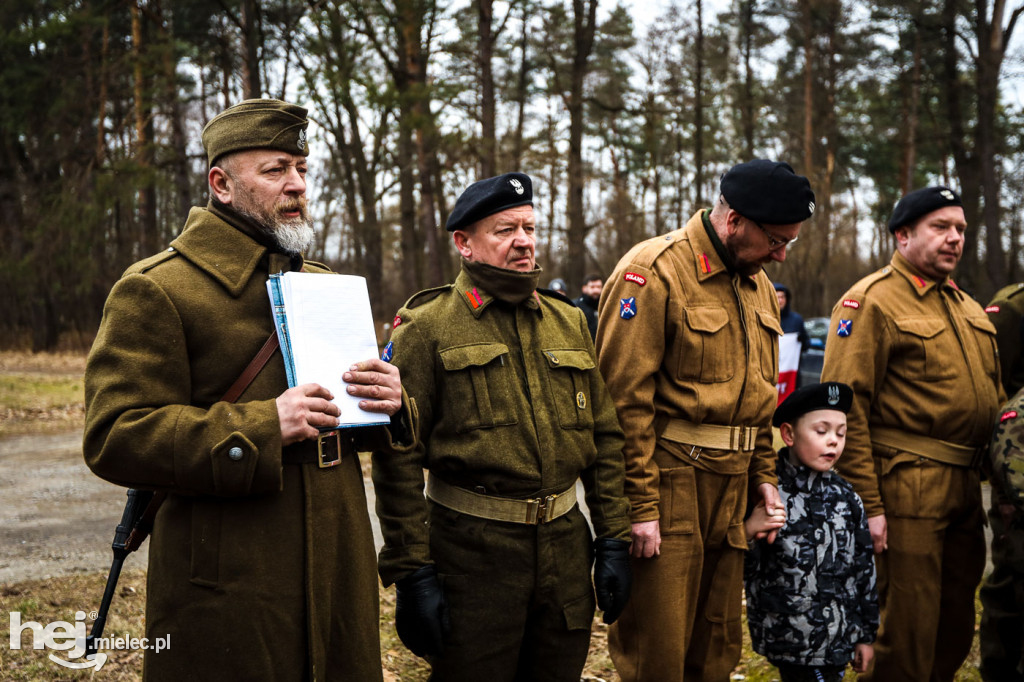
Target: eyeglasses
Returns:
[774, 243]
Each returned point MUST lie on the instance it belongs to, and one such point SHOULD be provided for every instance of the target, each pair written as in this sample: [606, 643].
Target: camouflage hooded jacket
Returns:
[811, 594]
[1007, 451]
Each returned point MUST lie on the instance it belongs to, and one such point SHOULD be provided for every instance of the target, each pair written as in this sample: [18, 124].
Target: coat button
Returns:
[235, 453]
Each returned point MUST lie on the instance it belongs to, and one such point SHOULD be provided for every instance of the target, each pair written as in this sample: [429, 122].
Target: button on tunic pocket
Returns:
[570, 385]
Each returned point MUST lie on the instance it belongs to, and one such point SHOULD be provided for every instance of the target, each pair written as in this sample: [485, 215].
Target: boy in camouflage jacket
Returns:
[812, 605]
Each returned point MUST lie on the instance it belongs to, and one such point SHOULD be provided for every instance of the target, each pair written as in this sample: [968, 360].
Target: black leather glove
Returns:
[421, 616]
[613, 576]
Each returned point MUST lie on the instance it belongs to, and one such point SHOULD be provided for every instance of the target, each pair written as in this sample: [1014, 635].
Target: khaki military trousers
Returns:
[1002, 601]
[928, 575]
[683, 617]
[520, 598]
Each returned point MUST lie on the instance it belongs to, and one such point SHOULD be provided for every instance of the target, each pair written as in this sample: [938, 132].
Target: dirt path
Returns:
[56, 517]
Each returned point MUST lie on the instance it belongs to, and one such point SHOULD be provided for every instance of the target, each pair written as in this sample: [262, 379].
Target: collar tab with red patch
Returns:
[635, 278]
[919, 281]
[474, 298]
[705, 263]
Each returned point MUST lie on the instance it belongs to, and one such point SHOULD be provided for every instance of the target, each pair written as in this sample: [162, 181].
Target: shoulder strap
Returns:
[252, 369]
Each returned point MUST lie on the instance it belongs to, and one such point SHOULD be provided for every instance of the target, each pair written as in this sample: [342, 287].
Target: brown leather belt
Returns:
[926, 446]
[532, 511]
[327, 453]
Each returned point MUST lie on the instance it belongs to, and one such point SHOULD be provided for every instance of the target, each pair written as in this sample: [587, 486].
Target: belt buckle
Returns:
[539, 510]
[695, 449]
[328, 449]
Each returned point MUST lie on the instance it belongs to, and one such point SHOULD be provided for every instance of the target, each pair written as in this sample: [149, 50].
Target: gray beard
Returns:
[291, 236]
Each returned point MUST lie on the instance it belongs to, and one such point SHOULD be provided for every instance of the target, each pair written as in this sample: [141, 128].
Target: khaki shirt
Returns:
[920, 356]
[510, 404]
[702, 346]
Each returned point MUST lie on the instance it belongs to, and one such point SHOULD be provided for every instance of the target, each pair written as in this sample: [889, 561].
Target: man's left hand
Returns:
[379, 382]
[772, 505]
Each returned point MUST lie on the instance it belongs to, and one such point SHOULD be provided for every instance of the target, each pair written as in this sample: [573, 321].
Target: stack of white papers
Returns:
[325, 325]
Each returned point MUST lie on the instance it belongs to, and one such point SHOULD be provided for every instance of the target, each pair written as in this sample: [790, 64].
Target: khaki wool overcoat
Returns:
[258, 570]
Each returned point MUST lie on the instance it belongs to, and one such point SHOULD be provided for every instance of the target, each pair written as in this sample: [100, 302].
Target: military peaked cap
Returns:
[831, 395]
[487, 197]
[920, 203]
[768, 192]
[256, 124]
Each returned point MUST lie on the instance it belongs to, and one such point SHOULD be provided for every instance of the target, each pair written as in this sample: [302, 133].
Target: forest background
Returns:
[625, 131]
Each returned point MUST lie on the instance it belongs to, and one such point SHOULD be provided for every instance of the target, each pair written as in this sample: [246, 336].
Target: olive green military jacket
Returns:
[702, 346]
[257, 570]
[921, 358]
[1006, 311]
[510, 403]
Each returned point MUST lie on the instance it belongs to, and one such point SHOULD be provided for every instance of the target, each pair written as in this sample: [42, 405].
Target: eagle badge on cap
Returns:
[810, 206]
[301, 143]
[516, 185]
[946, 194]
[833, 394]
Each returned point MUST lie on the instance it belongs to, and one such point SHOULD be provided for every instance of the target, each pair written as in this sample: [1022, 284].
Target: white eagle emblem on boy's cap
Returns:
[516, 185]
[833, 394]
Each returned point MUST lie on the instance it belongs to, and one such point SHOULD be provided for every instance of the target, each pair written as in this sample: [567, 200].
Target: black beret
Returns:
[256, 124]
[490, 196]
[828, 396]
[920, 203]
[768, 192]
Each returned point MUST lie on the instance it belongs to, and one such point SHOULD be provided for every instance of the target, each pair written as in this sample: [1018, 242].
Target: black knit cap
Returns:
[831, 395]
[490, 196]
[920, 203]
[768, 192]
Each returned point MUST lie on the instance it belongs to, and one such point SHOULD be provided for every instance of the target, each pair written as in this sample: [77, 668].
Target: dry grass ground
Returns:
[53, 599]
[42, 393]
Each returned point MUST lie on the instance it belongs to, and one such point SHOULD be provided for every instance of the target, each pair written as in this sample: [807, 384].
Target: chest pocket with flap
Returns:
[479, 384]
[985, 333]
[768, 341]
[570, 385]
[930, 348]
[708, 351]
